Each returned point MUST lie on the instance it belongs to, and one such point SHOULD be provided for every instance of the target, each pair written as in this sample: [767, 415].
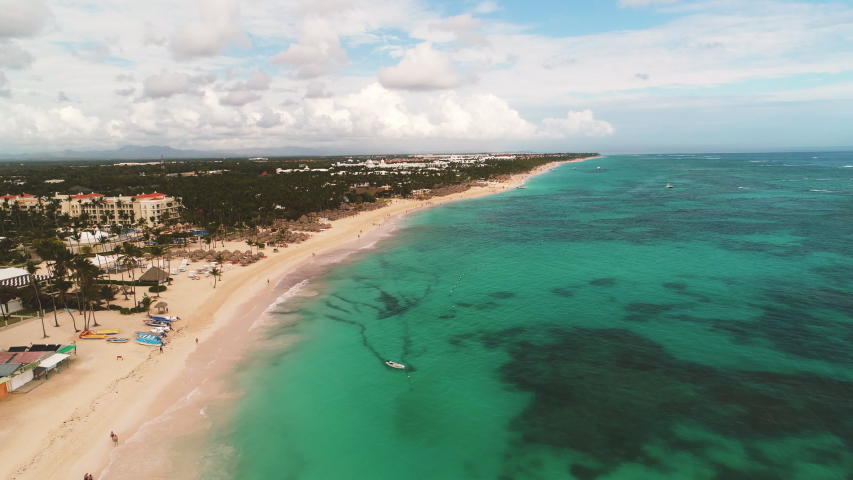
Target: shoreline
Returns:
[60, 428]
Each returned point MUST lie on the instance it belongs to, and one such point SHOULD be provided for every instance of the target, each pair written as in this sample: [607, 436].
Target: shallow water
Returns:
[595, 325]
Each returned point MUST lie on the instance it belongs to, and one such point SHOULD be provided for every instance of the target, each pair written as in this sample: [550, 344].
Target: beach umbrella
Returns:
[162, 307]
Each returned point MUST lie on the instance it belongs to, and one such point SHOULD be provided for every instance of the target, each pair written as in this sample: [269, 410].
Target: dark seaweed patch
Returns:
[603, 282]
[608, 393]
[643, 312]
[563, 292]
[582, 472]
[502, 295]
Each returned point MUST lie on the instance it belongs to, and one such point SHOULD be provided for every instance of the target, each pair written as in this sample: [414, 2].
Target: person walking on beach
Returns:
[115, 440]
[196, 341]
[112, 437]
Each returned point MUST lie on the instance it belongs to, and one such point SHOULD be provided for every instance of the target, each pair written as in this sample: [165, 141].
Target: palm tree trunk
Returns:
[41, 310]
[53, 294]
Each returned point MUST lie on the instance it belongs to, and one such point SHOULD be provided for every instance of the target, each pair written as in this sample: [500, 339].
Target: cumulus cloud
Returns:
[167, 84]
[380, 113]
[239, 98]
[14, 57]
[423, 68]
[643, 3]
[317, 52]
[125, 92]
[317, 90]
[463, 28]
[260, 80]
[4, 86]
[22, 18]
[209, 36]
[577, 124]
[268, 118]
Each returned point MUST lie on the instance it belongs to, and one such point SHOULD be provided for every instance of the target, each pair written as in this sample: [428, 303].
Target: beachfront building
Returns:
[97, 209]
[22, 202]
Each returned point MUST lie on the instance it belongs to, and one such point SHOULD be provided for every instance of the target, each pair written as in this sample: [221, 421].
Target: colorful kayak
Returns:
[158, 335]
[148, 336]
[90, 335]
[148, 342]
[106, 332]
[165, 319]
[117, 340]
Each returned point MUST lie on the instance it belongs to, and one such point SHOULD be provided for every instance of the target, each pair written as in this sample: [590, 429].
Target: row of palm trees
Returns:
[67, 270]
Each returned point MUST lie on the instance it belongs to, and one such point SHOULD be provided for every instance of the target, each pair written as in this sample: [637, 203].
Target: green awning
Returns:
[66, 349]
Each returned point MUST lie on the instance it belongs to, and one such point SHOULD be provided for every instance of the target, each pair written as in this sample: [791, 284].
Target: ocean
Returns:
[594, 325]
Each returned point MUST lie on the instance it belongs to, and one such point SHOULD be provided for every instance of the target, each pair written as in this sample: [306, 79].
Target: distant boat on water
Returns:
[395, 365]
[668, 185]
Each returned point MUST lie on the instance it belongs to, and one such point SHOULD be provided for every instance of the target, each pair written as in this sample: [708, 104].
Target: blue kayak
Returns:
[148, 341]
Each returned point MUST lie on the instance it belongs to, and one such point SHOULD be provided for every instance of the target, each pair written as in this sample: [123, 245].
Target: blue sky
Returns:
[419, 75]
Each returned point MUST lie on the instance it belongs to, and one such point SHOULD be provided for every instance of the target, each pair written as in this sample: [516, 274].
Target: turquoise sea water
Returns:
[595, 325]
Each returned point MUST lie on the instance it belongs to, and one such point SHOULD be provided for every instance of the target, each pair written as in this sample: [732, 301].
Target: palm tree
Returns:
[63, 266]
[31, 269]
[216, 272]
[157, 252]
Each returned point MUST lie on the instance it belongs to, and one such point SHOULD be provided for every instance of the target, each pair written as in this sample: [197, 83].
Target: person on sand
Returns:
[196, 341]
[112, 435]
[115, 440]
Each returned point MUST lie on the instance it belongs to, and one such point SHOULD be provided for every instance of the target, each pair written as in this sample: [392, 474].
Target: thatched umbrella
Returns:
[162, 307]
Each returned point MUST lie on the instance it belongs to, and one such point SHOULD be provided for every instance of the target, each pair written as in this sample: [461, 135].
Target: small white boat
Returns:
[394, 365]
[668, 185]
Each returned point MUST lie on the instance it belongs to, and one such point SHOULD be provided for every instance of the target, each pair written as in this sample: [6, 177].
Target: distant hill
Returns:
[153, 152]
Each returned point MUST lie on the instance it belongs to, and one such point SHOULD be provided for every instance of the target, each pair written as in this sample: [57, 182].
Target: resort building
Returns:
[23, 201]
[97, 209]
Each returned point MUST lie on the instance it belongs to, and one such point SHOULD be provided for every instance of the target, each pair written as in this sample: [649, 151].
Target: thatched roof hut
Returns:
[154, 274]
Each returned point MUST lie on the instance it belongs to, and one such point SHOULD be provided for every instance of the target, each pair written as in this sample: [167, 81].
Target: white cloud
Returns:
[4, 84]
[209, 36]
[14, 57]
[125, 92]
[260, 80]
[267, 118]
[317, 52]
[577, 124]
[167, 83]
[125, 77]
[463, 28]
[22, 18]
[487, 7]
[239, 98]
[317, 90]
[423, 68]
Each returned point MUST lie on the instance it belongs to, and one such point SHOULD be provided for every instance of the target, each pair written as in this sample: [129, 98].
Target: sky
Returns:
[399, 76]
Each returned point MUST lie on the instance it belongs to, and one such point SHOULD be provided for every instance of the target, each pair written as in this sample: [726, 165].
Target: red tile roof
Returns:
[151, 195]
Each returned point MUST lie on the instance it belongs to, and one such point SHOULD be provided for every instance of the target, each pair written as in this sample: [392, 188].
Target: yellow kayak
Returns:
[90, 335]
[106, 332]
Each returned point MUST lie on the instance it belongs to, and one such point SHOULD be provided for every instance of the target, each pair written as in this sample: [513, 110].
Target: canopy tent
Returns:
[18, 277]
[104, 261]
[52, 360]
[7, 273]
[88, 238]
[67, 349]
